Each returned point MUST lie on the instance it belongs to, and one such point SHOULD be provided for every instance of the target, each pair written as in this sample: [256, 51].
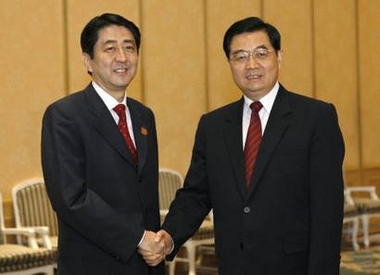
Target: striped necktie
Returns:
[253, 141]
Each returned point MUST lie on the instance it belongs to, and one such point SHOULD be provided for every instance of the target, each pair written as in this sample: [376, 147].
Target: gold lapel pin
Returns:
[144, 131]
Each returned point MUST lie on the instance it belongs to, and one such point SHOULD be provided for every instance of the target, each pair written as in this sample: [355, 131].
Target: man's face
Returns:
[115, 59]
[255, 74]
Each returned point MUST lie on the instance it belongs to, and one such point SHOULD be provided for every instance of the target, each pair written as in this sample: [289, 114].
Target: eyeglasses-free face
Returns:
[115, 59]
[254, 76]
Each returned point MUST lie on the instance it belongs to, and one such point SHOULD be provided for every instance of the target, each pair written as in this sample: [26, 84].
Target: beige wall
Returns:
[330, 52]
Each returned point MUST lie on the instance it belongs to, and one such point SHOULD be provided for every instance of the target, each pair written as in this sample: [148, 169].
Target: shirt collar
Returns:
[110, 101]
[267, 101]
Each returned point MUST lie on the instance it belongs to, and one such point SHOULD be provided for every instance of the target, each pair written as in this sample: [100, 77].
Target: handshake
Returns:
[155, 246]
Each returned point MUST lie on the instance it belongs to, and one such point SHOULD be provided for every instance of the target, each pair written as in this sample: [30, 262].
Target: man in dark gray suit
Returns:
[103, 181]
[285, 217]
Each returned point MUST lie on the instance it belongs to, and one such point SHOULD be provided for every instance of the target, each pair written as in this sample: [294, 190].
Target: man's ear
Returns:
[279, 57]
[87, 62]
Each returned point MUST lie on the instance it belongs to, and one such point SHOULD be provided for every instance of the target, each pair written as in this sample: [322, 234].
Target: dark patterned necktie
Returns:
[253, 141]
[123, 127]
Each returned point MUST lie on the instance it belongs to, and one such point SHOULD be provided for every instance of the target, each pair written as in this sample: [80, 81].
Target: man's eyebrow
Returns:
[238, 51]
[111, 41]
[132, 41]
[262, 47]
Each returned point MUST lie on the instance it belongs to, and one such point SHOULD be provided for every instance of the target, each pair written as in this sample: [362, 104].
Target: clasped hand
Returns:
[155, 246]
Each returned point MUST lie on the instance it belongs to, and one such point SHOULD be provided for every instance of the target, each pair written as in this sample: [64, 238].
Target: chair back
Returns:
[169, 182]
[32, 207]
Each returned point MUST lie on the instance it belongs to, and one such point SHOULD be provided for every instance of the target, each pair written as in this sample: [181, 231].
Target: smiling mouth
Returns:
[121, 70]
[253, 76]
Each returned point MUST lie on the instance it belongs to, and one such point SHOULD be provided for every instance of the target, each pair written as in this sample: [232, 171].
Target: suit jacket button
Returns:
[247, 210]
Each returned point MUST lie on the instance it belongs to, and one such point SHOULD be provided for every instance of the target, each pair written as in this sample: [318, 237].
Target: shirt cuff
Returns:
[143, 236]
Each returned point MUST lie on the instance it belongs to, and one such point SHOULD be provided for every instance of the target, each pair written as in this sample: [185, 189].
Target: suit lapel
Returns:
[105, 123]
[277, 124]
[234, 143]
[140, 132]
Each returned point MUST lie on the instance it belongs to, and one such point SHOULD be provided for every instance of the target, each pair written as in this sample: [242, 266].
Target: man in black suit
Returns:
[103, 187]
[286, 218]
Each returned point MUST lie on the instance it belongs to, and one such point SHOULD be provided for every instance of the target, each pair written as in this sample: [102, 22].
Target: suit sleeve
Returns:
[326, 194]
[77, 206]
[192, 202]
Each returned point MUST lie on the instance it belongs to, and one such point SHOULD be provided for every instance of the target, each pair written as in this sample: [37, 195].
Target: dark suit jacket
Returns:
[290, 220]
[103, 200]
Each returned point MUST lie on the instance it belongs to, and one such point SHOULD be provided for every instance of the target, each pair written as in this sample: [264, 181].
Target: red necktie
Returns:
[253, 141]
[120, 111]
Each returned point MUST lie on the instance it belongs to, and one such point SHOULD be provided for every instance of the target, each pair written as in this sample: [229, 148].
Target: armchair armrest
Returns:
[371, 190]
[348, 198]
[25, 231]
[31, 233]
[43, 231]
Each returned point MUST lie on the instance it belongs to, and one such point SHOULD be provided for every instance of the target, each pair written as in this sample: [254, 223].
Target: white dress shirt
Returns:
[111, 103]
[267, 102]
